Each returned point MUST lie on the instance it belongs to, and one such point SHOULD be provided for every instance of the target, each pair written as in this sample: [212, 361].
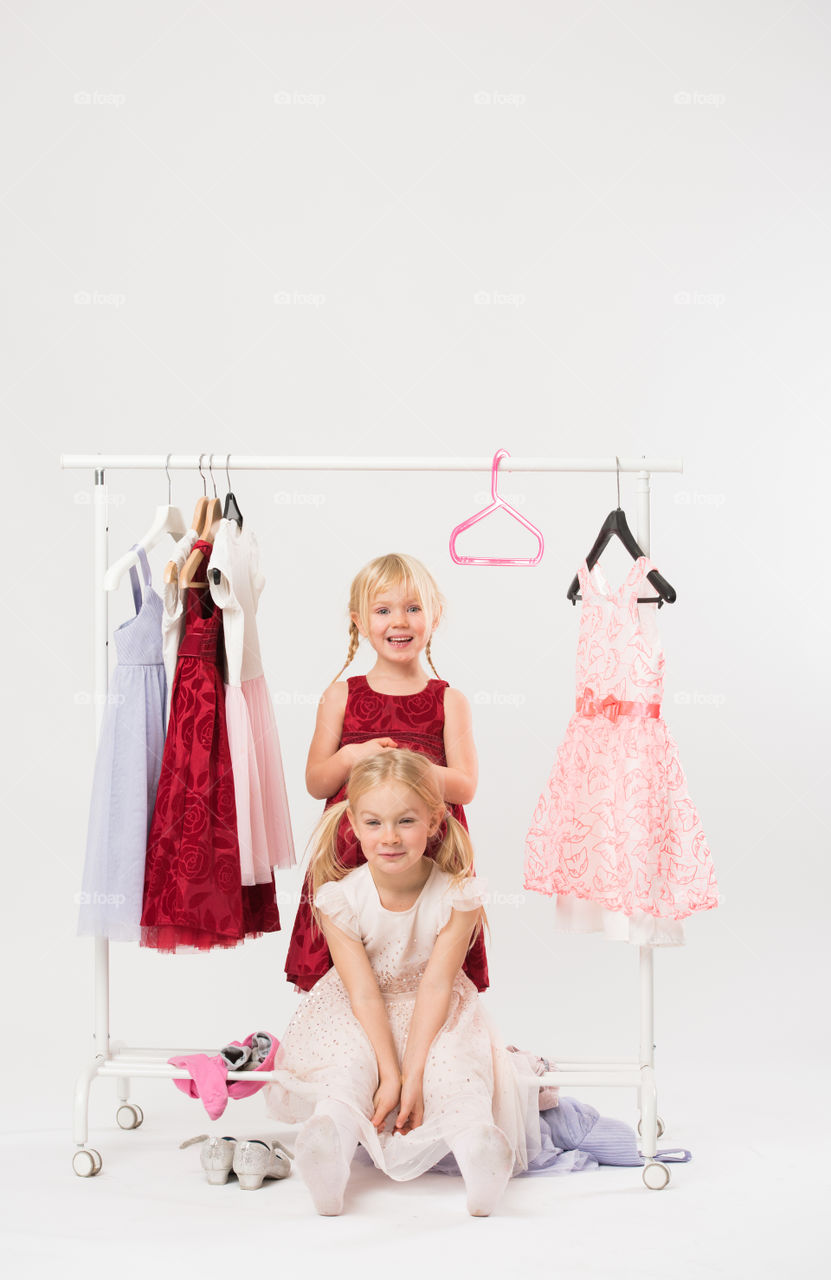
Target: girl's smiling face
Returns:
[393, 825]
[398, 626]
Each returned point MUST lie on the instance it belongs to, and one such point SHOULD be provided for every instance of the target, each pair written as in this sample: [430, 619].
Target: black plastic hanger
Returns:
[232, 511]
[615, 525]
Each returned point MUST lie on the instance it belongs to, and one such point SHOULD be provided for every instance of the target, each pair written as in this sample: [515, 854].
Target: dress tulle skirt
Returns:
[469, 1077]
[263, 824]
[615, 824]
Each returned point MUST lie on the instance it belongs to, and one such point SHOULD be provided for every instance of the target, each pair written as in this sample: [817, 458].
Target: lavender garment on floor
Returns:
[127, 766]
[577, 1125]
[576, 1136]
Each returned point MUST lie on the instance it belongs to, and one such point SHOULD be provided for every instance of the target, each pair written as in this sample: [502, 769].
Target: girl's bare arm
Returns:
[328, 766]
[433, 997]
[459, 778]
[352, 963]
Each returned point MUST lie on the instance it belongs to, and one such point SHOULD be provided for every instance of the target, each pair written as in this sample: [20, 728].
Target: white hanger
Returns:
[167, 519]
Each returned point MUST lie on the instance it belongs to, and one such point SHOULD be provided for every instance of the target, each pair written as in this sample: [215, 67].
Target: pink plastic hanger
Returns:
[480, 515]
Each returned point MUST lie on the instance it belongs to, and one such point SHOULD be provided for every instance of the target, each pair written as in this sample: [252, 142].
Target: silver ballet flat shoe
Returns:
[258, 1159]
[216, 1156]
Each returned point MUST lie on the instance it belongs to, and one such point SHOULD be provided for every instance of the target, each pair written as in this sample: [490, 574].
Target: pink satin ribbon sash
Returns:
[611, 708]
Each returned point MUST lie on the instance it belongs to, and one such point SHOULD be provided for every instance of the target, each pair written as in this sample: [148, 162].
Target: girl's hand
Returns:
[411, 1108]
[358, 750]
[385, 1099]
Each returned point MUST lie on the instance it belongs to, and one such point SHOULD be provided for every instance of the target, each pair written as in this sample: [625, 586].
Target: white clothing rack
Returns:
[123, 1062]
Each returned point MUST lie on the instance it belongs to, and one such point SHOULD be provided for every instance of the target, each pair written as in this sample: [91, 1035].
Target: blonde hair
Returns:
[409, 769]
[378, 576]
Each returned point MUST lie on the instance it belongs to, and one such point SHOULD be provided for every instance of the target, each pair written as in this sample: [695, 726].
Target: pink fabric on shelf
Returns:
[209, 1075]
[242, 1088]
[208, 1081]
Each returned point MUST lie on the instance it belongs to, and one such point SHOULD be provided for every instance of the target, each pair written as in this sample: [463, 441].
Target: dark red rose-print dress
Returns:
[193, 890]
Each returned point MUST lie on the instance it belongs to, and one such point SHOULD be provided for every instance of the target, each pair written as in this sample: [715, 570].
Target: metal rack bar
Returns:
[256, 462]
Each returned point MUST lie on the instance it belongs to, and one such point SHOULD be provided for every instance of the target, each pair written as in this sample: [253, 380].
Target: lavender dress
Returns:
[126, 773]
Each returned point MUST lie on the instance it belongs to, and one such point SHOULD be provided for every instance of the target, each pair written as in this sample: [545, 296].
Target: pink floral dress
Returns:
[615, 834]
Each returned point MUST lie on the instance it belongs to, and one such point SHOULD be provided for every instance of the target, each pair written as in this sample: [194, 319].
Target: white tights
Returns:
[327, 1142]
[323, 1153]
[486, 1161]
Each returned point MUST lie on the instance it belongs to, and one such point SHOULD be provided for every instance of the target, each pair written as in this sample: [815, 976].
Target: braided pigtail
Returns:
[354, 641]
[429, 659]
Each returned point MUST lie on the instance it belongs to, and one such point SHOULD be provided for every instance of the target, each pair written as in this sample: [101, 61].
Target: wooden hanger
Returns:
[200, 515]
[212, 515]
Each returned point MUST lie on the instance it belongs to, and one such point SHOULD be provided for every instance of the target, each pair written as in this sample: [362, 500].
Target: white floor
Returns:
[753, 1202]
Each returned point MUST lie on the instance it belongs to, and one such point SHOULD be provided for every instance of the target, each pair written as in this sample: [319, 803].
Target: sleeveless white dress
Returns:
[469, 1076]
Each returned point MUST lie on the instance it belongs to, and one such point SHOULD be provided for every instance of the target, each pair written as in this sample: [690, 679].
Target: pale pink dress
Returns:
[615, 834]
[469, 1077]
[263, 821]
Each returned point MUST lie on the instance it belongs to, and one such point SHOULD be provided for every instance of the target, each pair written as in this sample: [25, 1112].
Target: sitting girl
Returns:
[391, 1047]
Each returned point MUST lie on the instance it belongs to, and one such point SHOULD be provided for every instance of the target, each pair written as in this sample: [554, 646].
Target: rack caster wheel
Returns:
[87, 1162]
[129, 1116]
[655, 1175]
[660, 1128]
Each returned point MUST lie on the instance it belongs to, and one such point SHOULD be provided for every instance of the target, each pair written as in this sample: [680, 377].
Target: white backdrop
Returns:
[392, 228]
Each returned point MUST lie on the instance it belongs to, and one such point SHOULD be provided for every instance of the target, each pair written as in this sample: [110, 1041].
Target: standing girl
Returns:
[391, 1047]
[394, 602]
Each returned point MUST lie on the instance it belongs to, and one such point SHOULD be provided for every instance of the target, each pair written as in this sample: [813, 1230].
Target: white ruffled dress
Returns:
[469, 1077]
